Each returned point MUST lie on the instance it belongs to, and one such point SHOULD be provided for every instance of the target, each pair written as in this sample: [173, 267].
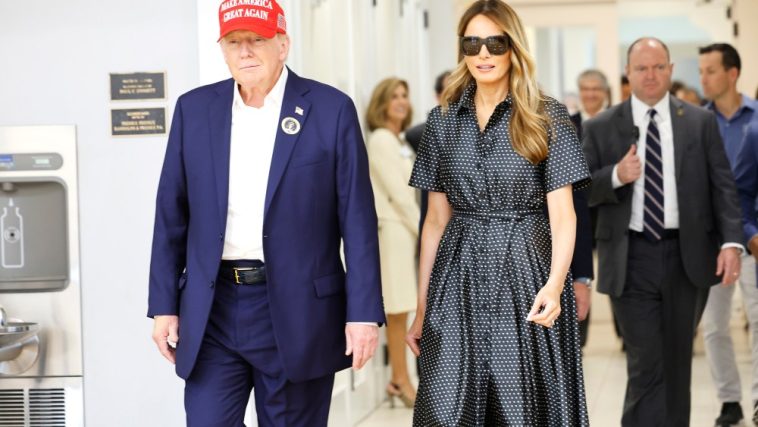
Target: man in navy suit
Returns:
[265, 176]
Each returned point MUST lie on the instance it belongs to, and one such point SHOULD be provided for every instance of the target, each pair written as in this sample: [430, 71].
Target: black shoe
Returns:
[755, 412]
[731, 414]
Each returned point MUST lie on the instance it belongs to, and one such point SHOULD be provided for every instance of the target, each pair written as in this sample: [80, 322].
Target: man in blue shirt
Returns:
[720, 67]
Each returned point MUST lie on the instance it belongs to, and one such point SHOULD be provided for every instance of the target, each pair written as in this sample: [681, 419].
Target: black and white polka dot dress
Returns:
[482, 363]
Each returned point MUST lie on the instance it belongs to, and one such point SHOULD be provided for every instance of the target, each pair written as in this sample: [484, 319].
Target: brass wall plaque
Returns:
[138, 121]
[134, 86]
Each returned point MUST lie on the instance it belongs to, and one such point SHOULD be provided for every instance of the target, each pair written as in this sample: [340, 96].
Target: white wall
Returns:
[56, 57]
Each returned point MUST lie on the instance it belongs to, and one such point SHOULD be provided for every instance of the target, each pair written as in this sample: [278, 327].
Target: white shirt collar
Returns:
[274, 98]
[662, 109]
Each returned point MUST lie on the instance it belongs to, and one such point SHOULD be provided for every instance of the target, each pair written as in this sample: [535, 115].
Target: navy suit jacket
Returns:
[581, 263]
[746, 176]
[318, 196]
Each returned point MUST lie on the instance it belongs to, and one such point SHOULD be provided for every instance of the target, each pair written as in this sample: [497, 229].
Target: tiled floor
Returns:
[605, 376]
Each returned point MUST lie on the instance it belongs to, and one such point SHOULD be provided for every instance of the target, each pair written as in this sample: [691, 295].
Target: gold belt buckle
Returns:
[236, 273]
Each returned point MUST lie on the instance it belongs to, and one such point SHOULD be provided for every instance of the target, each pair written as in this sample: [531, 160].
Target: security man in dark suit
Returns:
[668, 227]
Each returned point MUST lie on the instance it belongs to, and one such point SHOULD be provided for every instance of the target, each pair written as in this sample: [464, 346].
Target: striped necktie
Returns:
[653, 224]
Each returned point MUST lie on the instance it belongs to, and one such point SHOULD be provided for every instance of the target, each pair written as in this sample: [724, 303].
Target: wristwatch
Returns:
[586, 281]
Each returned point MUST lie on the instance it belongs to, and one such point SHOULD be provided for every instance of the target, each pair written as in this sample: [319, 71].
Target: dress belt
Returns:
[496, 214]
[243, 272]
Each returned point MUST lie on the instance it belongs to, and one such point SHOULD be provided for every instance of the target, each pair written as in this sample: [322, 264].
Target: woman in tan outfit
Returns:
[390, 164]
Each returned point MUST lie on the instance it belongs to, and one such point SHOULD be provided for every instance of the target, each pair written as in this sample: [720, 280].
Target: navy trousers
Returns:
[239, 354]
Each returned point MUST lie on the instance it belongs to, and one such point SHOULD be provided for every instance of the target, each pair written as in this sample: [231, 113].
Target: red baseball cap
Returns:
[263, 17]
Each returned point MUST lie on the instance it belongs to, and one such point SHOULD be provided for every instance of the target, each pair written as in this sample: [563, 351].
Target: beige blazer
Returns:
[390, 166]
[390, 171]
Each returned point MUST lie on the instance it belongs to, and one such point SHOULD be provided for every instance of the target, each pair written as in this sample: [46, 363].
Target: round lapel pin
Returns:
[290, 125]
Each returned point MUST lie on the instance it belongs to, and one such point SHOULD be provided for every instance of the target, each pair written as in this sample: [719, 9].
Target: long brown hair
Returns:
[376, 113]
[529, 123]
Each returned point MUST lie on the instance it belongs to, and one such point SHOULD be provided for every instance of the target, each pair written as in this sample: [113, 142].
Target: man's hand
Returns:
[630, 167]
[753, 246]
[361, 342]
[728, 266]
[583, 295]
[166, 335]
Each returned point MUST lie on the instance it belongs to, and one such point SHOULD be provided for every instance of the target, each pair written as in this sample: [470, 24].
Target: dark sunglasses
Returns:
[496, 45]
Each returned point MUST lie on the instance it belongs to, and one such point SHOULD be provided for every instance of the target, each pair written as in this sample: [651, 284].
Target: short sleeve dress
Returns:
[482, 363]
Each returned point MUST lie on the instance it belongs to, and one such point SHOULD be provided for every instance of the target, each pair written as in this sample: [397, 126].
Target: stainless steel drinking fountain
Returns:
[19, 345]
[41, 376]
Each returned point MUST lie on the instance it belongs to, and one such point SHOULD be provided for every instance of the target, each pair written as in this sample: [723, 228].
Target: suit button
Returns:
[221, 236]
[212, 284]
[479, 165]
[265, 236]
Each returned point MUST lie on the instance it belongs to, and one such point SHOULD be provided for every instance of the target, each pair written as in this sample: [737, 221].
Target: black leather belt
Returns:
[243, 272]
[668, 233]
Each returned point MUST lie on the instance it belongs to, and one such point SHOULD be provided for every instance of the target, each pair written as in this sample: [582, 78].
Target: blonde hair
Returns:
[376, 113]
[529, 123]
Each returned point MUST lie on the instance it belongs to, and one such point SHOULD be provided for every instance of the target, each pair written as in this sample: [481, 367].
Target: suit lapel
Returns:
[220, 116]
[679, 128]
[294, 106]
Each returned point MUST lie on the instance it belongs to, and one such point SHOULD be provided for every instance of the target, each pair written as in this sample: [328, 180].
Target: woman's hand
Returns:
[547, 305]
[414, 334]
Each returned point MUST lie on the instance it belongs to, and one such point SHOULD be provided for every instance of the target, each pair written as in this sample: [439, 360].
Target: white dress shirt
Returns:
[641, 119]
[252, 145]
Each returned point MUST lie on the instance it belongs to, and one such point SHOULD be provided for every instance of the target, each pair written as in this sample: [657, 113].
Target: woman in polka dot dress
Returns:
[495, 328]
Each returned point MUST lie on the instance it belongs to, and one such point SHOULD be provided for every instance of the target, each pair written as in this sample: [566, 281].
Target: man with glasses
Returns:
[720, 67]
[265, 175]
[668, 229]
